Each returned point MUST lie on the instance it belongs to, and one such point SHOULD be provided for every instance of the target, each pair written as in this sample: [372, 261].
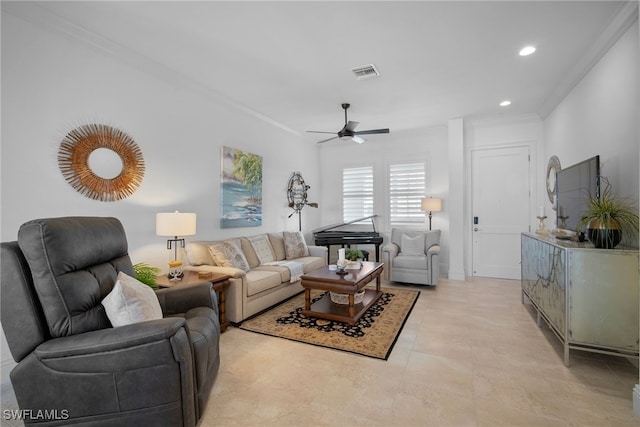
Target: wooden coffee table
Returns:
[350, 283]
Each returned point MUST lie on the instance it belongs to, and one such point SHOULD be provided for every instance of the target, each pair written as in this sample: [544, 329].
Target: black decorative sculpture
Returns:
[297, 196]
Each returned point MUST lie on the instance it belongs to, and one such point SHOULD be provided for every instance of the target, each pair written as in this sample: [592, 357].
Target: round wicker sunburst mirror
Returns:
[74, 161]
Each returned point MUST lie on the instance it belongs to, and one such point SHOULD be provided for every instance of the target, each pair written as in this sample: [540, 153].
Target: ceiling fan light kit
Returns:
[348, 132]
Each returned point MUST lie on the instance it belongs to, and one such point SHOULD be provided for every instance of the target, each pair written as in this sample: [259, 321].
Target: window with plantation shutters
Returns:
[406, 190]
[357, 193]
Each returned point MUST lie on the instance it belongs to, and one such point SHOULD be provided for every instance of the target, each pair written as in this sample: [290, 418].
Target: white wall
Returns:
[432, 146]
[52, 83]
[600, 116]
[428, 145]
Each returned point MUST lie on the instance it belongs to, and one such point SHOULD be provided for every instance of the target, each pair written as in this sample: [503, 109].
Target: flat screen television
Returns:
[575, 185]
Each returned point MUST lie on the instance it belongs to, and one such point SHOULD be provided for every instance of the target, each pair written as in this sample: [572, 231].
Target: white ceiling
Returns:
[290, 62]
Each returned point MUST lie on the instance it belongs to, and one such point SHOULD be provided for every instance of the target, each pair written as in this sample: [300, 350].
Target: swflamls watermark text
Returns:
[36, 414]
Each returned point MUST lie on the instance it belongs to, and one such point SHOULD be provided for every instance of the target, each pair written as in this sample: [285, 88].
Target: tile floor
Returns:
[470, 355]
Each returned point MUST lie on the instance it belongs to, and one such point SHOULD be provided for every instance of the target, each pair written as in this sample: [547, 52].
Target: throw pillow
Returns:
[198, 254]
[412, 245]
[249, 253]
[277, 243]
[263, 248]
[227, 254]
[294, 245]
[131, 301]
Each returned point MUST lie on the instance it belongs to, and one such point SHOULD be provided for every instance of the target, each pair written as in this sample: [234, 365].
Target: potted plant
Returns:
[146, 274]
[353, 254]
[610, 219]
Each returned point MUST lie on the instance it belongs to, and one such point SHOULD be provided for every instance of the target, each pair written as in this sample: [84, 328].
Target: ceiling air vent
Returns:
[365, 72]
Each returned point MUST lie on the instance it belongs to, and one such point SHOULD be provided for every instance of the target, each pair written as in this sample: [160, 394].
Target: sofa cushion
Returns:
[249, 252]
[227, 254]
[262, 247]
[277, 243]
[284, 272]
[294, 245]
[131, 301]
[311, 263]
[412, 245]
[261, 280]
[198, 253]
[411, 261]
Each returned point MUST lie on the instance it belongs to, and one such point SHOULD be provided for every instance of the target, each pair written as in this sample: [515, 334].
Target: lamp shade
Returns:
[430, 204]
[175, 224]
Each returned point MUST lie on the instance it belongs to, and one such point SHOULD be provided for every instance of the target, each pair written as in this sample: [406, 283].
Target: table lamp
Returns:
[429, 204]
[175, 224]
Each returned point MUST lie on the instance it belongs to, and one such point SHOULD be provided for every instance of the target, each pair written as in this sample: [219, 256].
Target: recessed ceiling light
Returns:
[505, 103]
[527, 50]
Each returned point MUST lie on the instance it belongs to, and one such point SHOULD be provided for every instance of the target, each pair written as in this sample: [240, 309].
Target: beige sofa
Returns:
[260, 267]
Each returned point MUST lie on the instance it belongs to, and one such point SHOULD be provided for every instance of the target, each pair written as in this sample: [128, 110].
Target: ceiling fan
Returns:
[348, 132]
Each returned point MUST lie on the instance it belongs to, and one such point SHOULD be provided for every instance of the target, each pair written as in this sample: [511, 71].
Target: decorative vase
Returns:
[604, 235]
[175, 271]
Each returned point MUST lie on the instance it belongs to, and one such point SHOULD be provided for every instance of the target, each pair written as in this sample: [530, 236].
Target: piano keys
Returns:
[331, 235]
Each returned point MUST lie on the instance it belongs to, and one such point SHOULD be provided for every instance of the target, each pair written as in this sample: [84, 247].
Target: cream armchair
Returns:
[413, 256]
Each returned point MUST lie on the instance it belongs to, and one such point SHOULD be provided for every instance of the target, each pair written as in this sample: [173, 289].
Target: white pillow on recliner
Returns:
[131, 301]
[412, 245]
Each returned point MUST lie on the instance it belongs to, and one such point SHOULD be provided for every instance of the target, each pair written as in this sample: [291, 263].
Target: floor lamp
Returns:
[429, 204]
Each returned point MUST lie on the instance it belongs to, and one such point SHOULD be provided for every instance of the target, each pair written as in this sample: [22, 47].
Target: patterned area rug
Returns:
[374, 335]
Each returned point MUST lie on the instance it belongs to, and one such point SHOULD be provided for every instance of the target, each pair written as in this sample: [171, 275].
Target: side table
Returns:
[219, 282]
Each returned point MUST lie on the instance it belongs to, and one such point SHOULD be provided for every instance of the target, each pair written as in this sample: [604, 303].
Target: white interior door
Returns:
[500, 198]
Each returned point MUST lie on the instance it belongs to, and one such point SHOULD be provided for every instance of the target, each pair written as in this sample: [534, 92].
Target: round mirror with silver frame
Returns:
[553, 167]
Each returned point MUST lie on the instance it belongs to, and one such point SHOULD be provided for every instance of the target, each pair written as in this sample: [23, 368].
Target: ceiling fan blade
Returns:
[325, 140]
[351, 125]
[372, 131]
[348, 132]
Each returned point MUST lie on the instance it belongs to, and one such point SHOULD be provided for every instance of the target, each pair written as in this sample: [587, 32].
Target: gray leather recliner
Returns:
[71, 362]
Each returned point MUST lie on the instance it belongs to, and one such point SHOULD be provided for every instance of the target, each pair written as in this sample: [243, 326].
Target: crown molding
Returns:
[502, 120]
[38, 14]
[627, 15]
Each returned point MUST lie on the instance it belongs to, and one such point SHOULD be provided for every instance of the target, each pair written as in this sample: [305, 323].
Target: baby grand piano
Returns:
[329, 235]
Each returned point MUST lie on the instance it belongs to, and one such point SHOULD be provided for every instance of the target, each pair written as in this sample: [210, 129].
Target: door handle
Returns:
[475, 229]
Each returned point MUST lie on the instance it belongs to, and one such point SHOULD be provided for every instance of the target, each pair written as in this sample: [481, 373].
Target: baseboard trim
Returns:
[453, 275]
[636, 400]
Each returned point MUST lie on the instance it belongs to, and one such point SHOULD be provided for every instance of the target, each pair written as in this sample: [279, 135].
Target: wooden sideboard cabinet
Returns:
[587, 296]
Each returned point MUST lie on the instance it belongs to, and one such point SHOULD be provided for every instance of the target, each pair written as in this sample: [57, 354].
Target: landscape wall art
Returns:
[241, 189]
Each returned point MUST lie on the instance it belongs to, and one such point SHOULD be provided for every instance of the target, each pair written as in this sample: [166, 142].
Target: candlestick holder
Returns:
[563, 221]
[541, 229]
